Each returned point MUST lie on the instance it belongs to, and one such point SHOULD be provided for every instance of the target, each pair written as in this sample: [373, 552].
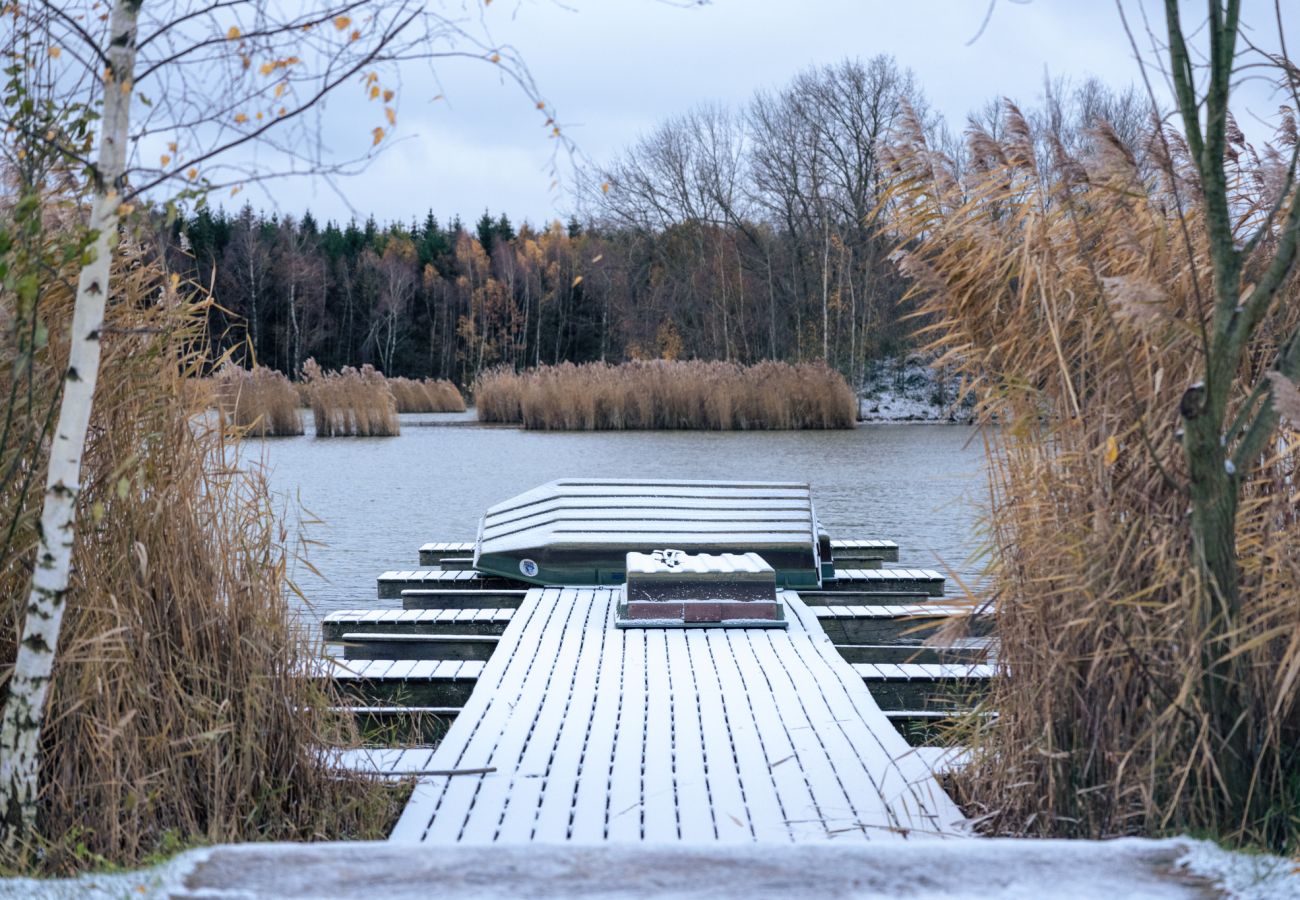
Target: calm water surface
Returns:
[370, 502]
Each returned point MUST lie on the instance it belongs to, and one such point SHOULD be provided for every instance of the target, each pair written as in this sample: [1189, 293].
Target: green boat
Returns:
[579, 531]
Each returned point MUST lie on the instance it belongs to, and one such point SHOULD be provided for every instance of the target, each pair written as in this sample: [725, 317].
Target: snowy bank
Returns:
[907, 389]
[935, 869]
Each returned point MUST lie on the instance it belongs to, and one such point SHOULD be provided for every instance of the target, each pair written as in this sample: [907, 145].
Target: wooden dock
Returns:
[393, 583]
[580, 731]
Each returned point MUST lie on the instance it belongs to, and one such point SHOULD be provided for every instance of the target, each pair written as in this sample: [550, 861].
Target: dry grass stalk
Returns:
[661, 394]
[180, 711]
[261, 403]
[351, 402]
[1048, 301]
[427, 396]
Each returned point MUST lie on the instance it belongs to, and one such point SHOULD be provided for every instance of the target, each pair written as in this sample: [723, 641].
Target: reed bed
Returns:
[351, 402]
[260, 403]
[429, 395]
[1067, 297]
[181, 710]
[662, 394]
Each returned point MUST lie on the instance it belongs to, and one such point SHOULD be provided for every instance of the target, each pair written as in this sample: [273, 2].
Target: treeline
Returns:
[741, 235]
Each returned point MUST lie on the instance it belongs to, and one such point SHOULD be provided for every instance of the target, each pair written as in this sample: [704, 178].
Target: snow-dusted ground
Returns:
[934, 869]
[909, 390]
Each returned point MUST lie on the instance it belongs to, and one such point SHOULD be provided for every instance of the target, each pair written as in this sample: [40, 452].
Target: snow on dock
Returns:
[580, 731]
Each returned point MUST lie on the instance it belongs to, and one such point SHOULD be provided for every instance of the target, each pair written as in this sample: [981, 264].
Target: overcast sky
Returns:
[613, 68]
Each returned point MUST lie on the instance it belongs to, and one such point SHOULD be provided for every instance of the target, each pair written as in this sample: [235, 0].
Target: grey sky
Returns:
[614, 68]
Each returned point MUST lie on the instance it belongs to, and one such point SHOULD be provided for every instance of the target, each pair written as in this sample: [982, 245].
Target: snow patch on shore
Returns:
[1243, 876]
[909, 389]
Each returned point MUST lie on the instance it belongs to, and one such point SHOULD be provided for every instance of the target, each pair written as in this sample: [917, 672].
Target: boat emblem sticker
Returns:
[528, 567]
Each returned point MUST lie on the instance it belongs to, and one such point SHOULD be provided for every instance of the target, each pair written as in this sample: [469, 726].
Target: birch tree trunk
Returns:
[20, 727]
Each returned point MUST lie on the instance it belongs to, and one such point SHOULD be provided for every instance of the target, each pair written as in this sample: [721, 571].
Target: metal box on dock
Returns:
[672, 589]
[579, 531]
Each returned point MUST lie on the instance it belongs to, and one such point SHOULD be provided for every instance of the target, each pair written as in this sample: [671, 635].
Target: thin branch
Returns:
[325, 89]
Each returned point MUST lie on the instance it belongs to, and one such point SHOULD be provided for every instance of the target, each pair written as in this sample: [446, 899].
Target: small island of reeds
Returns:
[667, 394]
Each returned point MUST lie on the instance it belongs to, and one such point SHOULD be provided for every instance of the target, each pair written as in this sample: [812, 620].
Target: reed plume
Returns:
[427, 396]
[1069, 297]
[182, 709]
[351, 402]
[663, 394]
[260, 403]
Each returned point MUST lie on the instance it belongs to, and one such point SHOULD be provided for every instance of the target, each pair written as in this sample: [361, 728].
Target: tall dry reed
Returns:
[351, 402]
[181, 710]
[662, 394]
[1069, 298]
[260, 403]
[426, 396]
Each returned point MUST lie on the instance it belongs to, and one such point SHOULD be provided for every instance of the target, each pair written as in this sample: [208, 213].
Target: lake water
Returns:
[371, 502]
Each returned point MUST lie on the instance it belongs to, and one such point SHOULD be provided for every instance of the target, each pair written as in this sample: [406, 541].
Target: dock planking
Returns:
[910, 623]
[451, 598]
[926, 581]
[405, 682]
[392, 584]
[851, 549]
[693, 735]
[489, 621]
[385, 645]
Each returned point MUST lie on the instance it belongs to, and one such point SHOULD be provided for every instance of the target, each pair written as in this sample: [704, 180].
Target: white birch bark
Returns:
[20, 727]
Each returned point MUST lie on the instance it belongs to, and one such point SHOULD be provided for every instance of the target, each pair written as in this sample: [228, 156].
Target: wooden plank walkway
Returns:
[596, 733]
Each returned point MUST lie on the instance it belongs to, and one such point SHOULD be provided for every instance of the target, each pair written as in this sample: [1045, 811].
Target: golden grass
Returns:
[1068, 299]
[663, 394]
[180, 712]
[351, 402]
[427, 396]
[260, 403]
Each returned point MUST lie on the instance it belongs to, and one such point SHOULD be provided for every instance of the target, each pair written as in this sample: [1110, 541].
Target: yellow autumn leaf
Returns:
[354, 36]
[240, 118]
[597, 258]
[1112, 451]
[164, 159]
[342, 22]
[577, 281]
[390, 115]
[55, 52]
[172, 146]
[388, 96]
[374, 92]
[604, 188]
[280, 89]
[235, 190]
[378, 134]
[233, 33]
[266, 68]
[495, 57]
[192, 174]
[175, 280]
[281, 111]
[259, 117]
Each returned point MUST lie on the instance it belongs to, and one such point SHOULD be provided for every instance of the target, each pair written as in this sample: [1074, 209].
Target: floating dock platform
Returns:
[559, 705]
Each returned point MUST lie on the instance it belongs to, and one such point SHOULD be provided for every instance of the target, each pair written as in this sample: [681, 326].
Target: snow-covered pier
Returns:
[557, 725]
